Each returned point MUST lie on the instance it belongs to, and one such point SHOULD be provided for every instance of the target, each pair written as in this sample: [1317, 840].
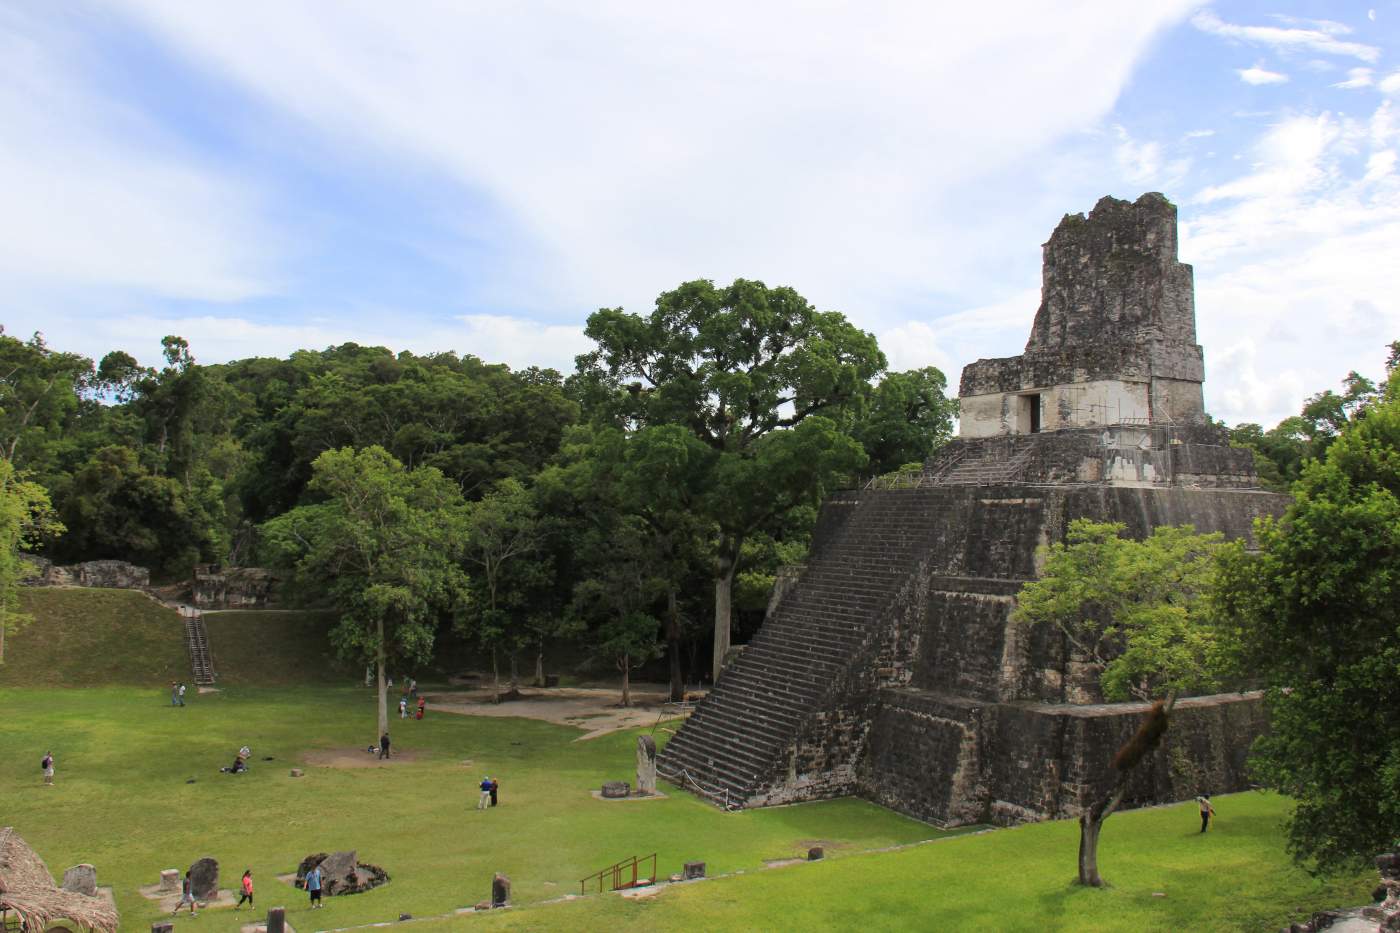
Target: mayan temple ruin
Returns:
[890, 671]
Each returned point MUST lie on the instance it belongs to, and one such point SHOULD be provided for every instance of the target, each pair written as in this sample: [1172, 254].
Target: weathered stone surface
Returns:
[615, 789]
[219, 587]
[646, 765]
[81, 879]
[170, 879]
[338, 872]
[162, 926]
[277, 920]
[341, 873]
[816, 854]
[694, 870]
[914, 689]
[204, 879]
[500, 890]
[297, 772]
[113, 574]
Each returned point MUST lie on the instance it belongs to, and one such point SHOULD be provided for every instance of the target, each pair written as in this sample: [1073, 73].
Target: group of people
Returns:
[403, 707]
[490, 787]
[177, 693]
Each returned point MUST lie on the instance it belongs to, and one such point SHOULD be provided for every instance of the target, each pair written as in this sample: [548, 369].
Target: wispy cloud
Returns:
[1357, 78]
[1257, 74]
[1311, 37]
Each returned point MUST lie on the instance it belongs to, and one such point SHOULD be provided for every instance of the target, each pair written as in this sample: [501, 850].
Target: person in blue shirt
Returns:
[313, 885]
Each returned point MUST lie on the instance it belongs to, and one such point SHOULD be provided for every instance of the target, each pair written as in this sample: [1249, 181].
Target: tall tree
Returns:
[384, 544]
[748, 370]
[502, 536]
[40, 390]
[1316, 612]
[1142, 614]
[904, 418]
[26, 520]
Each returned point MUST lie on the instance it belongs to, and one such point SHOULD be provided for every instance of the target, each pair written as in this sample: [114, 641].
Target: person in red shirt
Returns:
[421, 706]
[247, 894]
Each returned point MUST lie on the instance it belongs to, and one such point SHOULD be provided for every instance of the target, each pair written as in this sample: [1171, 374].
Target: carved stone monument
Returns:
[500, 890]
[646, 766]
[204, 879]
[81, 879]
[891, 670]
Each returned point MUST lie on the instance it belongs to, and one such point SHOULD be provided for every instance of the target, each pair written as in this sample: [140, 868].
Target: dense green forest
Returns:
[639, 506]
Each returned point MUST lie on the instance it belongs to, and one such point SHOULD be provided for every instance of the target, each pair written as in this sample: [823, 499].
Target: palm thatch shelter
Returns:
[27, 891]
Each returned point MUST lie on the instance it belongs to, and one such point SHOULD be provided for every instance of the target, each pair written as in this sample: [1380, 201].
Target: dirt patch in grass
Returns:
[355, 758]
[596, 711]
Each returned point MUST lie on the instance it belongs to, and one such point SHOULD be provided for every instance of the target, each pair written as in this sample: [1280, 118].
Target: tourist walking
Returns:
[384, 746]
[1207, 811]
[186, 897]
[247, 893]
[484, 800]
[47, 765]
[403, 707]
[412, 689]
[174, 694]
[313, 885]
[495, 786]
[180, 694]
[422, 705]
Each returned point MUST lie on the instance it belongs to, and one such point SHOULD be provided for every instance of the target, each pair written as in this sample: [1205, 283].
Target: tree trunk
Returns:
[383, 689]
[514, 672]
[539, 665]
[1089, 850]
[724, 592]
[673, 646]
[495, 676]
[626, 670]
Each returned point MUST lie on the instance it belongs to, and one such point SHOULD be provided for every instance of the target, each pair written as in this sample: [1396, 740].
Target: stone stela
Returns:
[889, 669]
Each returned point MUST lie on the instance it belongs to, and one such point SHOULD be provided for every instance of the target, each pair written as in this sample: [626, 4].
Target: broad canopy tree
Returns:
[384, 543]
[26, 521]
[749, 371]
[1143, 614]
[1316, 613]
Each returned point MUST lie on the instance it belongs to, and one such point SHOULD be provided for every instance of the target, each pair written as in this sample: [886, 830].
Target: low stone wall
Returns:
[111, 574]
[950, 760]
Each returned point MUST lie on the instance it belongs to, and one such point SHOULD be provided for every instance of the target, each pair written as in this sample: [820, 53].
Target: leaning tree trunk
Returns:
[724, 593]
[1143, 743]
[383, 689]
[673, 646]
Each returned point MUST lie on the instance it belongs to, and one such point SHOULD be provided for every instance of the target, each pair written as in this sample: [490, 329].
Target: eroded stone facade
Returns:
[890, 668]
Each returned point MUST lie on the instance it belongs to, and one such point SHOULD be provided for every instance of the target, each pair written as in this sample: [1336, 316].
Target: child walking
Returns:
[186, 897]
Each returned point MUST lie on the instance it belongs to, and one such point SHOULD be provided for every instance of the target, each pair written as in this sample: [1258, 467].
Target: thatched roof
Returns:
[28, 891]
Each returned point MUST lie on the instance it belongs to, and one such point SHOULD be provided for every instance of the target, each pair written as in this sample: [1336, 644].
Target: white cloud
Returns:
[1315, 37]
[954, 340]
[83, 206]
[1260, 75]
[638, 146]
[1390, 84]
[1295, 270]
[1198, 134]
[1356, 78]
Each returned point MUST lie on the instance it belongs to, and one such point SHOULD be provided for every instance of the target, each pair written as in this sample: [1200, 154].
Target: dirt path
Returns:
[593, 710]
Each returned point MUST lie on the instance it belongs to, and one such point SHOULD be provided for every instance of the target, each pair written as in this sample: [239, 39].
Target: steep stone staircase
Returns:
[197, 644]
[736, 741]
[996, 460]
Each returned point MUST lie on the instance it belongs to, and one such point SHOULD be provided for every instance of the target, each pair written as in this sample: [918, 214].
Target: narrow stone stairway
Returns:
[197, 644]
[735, 743]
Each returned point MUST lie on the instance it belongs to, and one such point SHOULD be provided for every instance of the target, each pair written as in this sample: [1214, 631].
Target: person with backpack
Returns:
[313, 886]
[186, 897]
[247, 894]
[47, 766]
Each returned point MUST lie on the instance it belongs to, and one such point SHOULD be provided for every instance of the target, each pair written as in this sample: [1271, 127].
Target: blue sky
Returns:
[478, 177]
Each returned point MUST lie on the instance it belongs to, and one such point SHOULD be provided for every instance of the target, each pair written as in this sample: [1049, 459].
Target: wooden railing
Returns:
[625, 874]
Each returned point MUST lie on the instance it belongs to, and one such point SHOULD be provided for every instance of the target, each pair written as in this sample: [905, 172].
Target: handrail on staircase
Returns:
[625, 874]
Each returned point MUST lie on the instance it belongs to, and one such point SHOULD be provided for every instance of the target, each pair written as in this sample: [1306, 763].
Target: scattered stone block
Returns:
[277, 920]
[170, 879]
[615, 789]
[816, 853]
[500, 890]
[646, 766]
[482, 905]
[204, 879]
[694, 871]
[405, 916]
[297, 772]
[81, 879]
[162, 926]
